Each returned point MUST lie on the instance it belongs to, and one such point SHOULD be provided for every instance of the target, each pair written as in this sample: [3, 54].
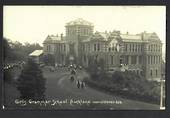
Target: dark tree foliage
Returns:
[7, 75]
[93, 68]
[96, 68]
[16, 51]
[31, 82]
[7, 52]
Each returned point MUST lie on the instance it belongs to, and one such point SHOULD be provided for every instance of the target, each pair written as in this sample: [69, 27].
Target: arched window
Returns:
[98, 47]
[111, 59]
[156, 72]
[109, 49]
[151, 73]
[94, 47]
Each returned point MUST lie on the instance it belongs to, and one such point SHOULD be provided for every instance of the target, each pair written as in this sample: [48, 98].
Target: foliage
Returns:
[7, 50]
[96, 68]
[7, 75]
[16, 51]
[127, 84]
[31, 82]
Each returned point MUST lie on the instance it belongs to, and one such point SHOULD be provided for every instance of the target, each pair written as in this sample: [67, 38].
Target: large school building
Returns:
[141, 53]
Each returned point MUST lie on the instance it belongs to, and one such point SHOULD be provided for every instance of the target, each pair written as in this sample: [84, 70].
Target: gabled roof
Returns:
[36, 53]
[79, 21]
[54, 39]
[100, 36]
[150, 36]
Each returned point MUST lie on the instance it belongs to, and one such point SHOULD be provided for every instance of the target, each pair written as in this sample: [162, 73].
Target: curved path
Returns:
[59, 87]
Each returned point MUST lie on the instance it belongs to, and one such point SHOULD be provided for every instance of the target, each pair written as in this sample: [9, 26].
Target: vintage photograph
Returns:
[84, 57]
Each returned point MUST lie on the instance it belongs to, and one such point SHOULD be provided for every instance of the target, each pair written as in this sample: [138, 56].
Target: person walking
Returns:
[78, 84]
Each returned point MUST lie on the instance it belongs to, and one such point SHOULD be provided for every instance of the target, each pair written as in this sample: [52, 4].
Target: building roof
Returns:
[150, 36]
[54, 39]
[36, 53]
[79, 21]
[131, 38]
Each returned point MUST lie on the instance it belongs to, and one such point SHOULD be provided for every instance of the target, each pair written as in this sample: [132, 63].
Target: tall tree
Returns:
[31, 82]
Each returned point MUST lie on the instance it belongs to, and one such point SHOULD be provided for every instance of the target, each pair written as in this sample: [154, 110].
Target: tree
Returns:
[16, 51]
[7, 52]
[31, 82]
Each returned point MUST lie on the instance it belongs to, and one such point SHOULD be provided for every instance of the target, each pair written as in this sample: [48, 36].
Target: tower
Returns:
[77, 31]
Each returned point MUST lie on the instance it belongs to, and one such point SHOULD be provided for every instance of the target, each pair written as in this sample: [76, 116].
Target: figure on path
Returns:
[78, 84]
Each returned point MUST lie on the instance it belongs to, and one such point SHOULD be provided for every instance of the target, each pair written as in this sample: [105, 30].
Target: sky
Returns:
[33, 23]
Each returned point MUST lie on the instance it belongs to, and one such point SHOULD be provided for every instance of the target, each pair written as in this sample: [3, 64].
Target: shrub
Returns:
[127, 84]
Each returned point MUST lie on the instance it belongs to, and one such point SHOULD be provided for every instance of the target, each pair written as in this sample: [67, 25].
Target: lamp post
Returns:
[162, 100]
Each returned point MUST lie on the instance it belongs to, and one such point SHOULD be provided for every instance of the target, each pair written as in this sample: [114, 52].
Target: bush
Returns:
[127, 84]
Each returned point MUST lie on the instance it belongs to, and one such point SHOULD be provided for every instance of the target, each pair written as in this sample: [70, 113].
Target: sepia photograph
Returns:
[84, 57]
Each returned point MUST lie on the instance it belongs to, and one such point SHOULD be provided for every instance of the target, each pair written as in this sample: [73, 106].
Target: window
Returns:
[89, 47]
[48, 48]
[121, 61]
[151, 73]
[113, 48]
[83, 47]
[140, 59]
[126, 59]
[133, 47]
[109, 49]
[84, 58]
[98, 46]
[151, 59]
[94, 47]
[134, 59]
[151, 48]
[125, 47]
[137, 72]
[130, 47]
[105, 46]
[156, 72]
[148, 59]
[136, 47]
[111, 59]
[64, 47]
[139, 48]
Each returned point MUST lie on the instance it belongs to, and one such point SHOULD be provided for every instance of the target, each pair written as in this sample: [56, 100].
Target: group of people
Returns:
[79, 83]
[12, 65]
